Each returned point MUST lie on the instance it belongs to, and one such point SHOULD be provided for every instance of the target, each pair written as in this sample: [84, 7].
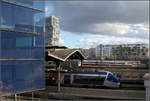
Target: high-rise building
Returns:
[52, 31]
[22, 50]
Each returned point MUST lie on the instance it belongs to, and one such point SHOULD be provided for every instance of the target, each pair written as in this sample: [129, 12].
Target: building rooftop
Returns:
[64, 54]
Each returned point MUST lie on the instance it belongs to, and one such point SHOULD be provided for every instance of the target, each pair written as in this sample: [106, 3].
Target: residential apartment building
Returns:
[92, 53]
[123, 51]
[103, 51]
[131, 51]
[22, 50]
[107, 51]
[52, 31]
[99, 51]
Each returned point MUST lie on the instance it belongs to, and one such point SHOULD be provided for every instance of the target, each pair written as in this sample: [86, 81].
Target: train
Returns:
[131, 76]
[110, 62]
[75, 78]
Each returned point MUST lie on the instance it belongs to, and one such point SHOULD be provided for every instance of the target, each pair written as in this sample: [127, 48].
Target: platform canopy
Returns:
[64, 54]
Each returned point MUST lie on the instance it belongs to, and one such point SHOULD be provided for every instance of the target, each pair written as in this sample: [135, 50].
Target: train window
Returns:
[80, 79]
[94, 80]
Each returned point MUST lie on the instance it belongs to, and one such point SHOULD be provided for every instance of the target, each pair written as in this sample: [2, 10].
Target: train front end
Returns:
[111, 81]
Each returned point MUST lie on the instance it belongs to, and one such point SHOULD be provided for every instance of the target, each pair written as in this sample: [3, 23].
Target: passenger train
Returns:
[104, 78]
[110, 62]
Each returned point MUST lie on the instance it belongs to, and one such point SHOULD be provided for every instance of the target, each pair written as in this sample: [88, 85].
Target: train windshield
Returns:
[112, 78]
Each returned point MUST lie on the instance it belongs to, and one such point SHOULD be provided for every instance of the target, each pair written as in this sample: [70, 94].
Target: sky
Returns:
[86, 24]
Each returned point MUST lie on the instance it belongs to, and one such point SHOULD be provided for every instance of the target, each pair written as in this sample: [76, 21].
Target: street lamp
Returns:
[147, 85]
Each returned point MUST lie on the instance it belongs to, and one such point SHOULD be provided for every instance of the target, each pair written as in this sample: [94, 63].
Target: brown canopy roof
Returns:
[63, 55]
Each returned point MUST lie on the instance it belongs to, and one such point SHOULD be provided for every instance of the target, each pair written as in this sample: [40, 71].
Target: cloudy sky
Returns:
[85, 24]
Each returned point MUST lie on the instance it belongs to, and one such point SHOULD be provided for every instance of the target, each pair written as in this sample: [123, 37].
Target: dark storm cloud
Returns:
[80, 17]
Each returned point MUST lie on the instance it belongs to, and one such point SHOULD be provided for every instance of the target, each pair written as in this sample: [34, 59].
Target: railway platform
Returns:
[91, 93]
[76, 93]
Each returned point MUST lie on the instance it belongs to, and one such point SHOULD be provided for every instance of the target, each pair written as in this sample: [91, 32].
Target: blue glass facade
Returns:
[22, 51]
[20, 18]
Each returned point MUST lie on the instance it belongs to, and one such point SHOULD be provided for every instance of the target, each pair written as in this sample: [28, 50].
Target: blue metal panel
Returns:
[22, 55]
[24, 2]
[0, 49]
[21, 76]
[21, 18]
[6, 15]
[24, 45]
[40, 5]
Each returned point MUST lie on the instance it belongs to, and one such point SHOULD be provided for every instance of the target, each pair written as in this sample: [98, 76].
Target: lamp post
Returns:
[147, 85]
[58, 82]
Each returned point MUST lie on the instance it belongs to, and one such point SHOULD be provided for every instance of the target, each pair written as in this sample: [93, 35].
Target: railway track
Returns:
[122, 87]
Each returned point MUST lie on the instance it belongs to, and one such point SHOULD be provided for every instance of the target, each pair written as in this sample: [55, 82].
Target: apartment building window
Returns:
[142, 50]
[133, 50]
[129, 53]
[134, 54]
[144, 54]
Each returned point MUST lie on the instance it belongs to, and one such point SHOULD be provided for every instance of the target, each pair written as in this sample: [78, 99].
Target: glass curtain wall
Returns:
[0, 52]
[22, 54]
